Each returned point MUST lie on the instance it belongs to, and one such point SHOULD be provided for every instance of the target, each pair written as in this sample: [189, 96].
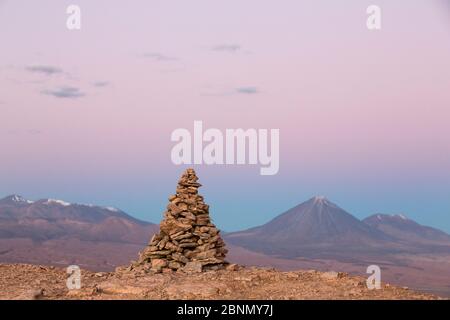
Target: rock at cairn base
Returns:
[187, 240]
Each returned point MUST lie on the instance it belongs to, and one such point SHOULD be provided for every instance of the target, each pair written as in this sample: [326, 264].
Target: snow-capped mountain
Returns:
[318, 228]
[55, 230]
[50, 218]
[15, 200]
[401, 227]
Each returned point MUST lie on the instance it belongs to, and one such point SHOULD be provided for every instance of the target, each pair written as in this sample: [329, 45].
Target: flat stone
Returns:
[160, 253]
[332, 275]
[173, 208]
[171, 226]
[188, 245]
[232, 267]
[193, 267]
[175, 265]
[170, 246]
[158, 263]
[206, 254]
[208, 261]
[189, 215]
[182, 236]
[179, 257]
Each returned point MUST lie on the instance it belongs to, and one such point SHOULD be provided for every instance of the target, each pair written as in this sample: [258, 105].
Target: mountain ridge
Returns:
[316, 234]
[53, 231]
[95, 210]
[319, 228]
[403, 228]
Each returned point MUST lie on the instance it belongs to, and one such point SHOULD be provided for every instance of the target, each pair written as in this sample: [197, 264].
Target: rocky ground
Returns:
[21, 281]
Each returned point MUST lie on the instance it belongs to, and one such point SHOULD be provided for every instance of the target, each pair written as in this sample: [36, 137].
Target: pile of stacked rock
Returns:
[187, 240]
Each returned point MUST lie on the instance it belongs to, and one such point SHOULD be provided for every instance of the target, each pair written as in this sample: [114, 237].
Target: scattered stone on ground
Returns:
[28, 282]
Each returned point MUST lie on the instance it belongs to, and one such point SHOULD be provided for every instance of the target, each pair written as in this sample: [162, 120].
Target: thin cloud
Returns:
[47, 70]
[100, 84]
[228, 92]
[65, 93]
[159, 56]
[227, 48]
[247, 90]
[34, 131]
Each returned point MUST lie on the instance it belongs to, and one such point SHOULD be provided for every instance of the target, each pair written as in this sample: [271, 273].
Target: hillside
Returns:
[56, 232]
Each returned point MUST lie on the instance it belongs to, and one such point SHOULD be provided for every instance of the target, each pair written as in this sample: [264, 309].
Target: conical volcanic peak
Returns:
[309, 229]
[321, 201]
[187, 239]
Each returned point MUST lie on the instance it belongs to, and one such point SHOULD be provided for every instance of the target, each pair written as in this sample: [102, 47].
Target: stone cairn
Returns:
[187, 240]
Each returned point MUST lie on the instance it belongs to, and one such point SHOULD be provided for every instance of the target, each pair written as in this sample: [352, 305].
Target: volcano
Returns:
[314, 228]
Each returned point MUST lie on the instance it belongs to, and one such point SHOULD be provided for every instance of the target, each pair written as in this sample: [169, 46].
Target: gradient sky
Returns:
[364, 116]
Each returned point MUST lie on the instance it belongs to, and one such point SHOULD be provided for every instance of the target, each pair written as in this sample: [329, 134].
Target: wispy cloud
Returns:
[65, 93]
[34, 131]
[227, 47]
[47, 70]
[159, 56]
[227, 91]
[101, 84]
[247, 90]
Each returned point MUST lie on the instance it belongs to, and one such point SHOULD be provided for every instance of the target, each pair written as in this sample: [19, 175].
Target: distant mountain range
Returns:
[406, 230]
[57, 232]
[50, 219]
[318, 228]
[316, 234]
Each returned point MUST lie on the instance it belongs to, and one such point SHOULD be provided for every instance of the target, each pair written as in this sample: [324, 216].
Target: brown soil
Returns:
[21, 281]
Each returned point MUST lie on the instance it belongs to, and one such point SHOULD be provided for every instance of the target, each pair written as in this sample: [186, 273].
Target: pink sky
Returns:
[364, 116]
